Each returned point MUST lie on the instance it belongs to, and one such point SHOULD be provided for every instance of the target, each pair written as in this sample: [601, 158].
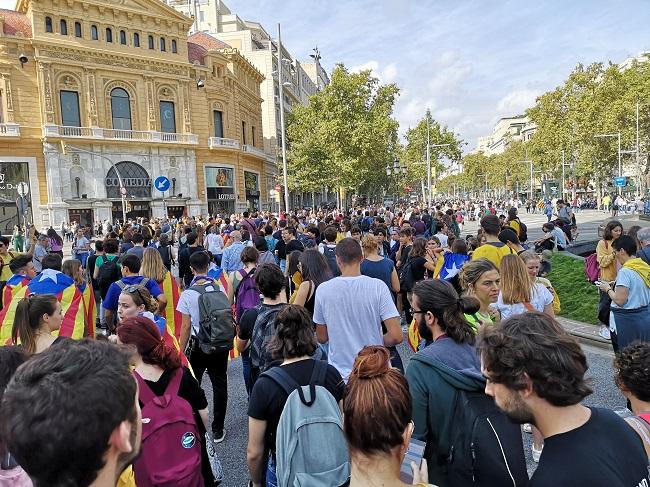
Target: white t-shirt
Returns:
[444, 240]
[541, 297]
[215, 243]
[353, 309]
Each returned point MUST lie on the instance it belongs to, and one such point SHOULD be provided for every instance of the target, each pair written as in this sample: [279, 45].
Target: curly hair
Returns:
[535, 345]
[632, 366]
[294, 334]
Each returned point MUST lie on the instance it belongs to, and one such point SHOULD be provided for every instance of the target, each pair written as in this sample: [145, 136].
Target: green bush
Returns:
[578, 296]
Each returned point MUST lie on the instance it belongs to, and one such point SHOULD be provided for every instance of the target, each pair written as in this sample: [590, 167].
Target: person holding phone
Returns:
[378, 433]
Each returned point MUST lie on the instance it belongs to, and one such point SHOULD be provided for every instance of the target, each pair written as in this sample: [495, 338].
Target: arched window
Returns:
[77, 29]
[109, 35]
[93, 32]
[151, 45]
[135, 178]
[162, 44]
[174, 46]
[63, 27]
[48, 24]
[121, 109]
[123, 38]
[136, 40]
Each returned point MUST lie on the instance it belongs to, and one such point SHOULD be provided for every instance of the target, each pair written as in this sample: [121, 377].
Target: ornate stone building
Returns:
[99, 95]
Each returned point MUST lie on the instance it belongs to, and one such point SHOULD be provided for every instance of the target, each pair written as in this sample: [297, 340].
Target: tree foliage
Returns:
[345, 137]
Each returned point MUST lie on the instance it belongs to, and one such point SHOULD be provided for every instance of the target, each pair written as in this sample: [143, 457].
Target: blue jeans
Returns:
[283, 265]
[271, 477]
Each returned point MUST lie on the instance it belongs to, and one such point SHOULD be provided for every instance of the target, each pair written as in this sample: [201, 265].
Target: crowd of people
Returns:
[114, 342]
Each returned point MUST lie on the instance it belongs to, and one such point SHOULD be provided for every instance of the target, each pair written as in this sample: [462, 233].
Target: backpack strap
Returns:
[175, 383]
[121, 284]
[144, 282]
[283, 379]
[145, 393]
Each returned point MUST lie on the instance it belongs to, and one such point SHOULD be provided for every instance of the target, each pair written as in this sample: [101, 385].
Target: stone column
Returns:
[47, 93]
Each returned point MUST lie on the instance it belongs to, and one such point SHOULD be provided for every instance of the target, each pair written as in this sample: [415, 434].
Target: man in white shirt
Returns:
[350, 310]
[214, 243]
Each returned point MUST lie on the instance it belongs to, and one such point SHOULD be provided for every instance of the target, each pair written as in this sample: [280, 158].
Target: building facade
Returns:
[98, 98]
[300, 81]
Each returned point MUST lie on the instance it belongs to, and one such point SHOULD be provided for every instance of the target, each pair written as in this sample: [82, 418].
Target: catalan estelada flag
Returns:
[414, 336]
[88, 297]
[15, 285]
[63, 287]
[171, 291]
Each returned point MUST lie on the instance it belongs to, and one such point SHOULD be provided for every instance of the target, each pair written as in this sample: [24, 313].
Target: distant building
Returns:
[506, 131]
[642, 57]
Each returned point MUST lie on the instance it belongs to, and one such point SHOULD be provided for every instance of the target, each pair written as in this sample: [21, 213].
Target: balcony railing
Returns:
[118, 134]
[217, 142]
[9, 130]
[254, 150]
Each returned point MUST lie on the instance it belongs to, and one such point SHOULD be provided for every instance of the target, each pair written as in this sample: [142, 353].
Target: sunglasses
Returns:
[135, 290]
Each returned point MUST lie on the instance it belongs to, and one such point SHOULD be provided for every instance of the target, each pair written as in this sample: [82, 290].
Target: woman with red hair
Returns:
[156, 366]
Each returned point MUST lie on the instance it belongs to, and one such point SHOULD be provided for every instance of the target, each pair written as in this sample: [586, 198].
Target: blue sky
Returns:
[471, 62]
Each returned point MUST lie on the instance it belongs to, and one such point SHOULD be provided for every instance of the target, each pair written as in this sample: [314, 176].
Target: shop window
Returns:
[70, 116]
[77, 29]
[136, 40]
[167, 117]
[48, 24]
[121, 108]
[109, 35]
[63, 27]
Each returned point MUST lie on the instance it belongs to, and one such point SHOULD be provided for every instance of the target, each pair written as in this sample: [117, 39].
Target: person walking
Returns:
[607, 264]
[480, 279]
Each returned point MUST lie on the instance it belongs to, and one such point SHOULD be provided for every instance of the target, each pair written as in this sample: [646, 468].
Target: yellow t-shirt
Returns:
[492, 251]
[127, 479]
[514, 224]
[6, 273]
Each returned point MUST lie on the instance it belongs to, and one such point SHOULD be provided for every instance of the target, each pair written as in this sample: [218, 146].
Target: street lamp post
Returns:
[565, 164]
[429, 162]
[620, 168]
[65, 147]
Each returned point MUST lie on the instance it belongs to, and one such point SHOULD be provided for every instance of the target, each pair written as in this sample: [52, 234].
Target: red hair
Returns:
[143, 334]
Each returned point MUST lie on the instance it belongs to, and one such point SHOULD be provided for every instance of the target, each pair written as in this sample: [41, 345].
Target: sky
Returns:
[469, 61]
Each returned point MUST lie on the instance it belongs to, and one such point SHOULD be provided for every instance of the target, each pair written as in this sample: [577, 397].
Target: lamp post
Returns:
[565, 164]
[620, 168]
[64, 149]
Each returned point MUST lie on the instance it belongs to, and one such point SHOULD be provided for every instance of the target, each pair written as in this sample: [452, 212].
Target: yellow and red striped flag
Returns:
[88, 297]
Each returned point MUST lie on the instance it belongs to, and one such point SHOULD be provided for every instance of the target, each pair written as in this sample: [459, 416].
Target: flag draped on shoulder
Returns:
[67, 293]
[88, 297]
[13, 290]
[452, 265]
[173, 317]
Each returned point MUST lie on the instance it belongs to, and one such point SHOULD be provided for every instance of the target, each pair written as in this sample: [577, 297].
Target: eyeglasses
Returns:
[415, 312]
[135, 290]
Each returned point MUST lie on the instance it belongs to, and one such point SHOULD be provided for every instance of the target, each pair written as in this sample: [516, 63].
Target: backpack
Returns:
[216, 324]
[592, 268]
[406, 280]
[330, 257]
[166, 256]
[523, 231]
[310, 417]
[482, 447]
[248, 295]
[171, 442]
[263, 331]
[109, 272]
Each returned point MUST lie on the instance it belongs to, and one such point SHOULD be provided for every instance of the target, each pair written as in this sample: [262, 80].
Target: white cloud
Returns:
[516, 102]
[387, 74]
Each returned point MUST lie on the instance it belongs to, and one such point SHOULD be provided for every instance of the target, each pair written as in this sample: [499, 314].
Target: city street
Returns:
[232, 452]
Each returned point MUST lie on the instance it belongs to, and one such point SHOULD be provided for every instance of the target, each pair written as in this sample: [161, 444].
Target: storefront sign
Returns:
[130, 182]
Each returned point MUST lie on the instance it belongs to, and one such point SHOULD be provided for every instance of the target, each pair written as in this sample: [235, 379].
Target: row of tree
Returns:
[347, 136]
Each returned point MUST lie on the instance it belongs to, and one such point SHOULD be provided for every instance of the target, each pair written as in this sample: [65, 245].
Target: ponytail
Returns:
[441, 299]
[27, 319]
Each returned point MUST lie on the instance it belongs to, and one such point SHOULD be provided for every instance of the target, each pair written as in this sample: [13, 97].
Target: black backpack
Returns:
[166, 256]
[109, 272]
[365, 224]
[406, 280]
[330, 256]
[523, 231]
[216, 323]
[483, 447]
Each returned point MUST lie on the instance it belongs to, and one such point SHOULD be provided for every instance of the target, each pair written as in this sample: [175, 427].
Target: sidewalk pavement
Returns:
[585, 333]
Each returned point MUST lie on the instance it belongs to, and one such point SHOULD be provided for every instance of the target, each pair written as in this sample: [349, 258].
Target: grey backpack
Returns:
[310, 417]
[263, 331]
[216, 323]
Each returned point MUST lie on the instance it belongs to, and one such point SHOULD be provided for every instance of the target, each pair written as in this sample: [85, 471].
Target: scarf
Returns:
[641, 268]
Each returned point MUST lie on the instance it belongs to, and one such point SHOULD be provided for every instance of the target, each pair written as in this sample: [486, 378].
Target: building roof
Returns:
[207, 42]
[16, 22]
[196, 53]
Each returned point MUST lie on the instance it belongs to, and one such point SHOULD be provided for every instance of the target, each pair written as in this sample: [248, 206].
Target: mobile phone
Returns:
[414, 453]
[597, 283]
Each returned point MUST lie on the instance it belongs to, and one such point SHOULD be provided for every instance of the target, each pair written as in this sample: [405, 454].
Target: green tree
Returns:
[345, 137]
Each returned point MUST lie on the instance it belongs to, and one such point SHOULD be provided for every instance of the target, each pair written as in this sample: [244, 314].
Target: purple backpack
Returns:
[248, 295]
[592, 268]
[171, 442]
